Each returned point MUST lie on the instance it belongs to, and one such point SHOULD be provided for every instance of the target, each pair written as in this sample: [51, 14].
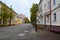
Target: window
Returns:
[0, 21]
[48, 18]
[54, 17]
[0, 10]
[49, 5]
[38, 21]
[45, 6]
[54, 2]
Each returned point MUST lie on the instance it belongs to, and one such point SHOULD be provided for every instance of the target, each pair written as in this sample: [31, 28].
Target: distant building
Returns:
[22, 18]
[44, 14]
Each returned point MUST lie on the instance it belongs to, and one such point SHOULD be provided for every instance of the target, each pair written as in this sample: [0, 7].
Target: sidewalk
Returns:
[44, 34]
[4, 25]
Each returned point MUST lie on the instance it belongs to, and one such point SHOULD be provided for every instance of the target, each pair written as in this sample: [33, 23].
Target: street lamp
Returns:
[10, 14]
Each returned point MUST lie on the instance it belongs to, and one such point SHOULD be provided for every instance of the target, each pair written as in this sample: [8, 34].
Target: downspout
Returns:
[50, 13]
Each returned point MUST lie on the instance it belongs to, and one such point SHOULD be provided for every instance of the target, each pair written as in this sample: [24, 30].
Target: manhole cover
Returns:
[22, 34]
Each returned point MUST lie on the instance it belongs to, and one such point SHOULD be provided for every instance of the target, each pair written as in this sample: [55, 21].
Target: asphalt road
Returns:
[18, 32]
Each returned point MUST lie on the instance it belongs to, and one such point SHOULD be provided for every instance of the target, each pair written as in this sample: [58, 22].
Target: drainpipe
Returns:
[50, 13]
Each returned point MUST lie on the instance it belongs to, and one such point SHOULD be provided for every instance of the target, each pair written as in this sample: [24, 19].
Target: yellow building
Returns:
[6, 13]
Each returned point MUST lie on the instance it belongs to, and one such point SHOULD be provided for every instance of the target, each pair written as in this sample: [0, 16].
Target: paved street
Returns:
[44, 34]
[26, 32]
[18, 32]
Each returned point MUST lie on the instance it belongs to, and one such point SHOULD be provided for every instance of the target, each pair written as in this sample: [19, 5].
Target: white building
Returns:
[44, 13]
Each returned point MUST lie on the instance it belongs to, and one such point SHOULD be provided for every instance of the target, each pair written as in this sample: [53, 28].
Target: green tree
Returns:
[4, 15]
[26, 20]
[7, 13]
[33, 11]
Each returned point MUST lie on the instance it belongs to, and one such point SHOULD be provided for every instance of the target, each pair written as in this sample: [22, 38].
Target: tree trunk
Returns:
[4, 21]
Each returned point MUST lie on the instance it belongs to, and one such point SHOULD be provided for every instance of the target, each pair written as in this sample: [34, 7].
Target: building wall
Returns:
[6, 9]
[45, 6]
[57, 22]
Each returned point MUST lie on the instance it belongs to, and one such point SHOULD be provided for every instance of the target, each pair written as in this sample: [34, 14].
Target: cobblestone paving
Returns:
[44, 34]
[18, 32]
[26, 32]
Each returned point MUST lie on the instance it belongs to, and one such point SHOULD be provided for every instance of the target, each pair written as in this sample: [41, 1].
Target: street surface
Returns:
[18, 32]
[26, 32]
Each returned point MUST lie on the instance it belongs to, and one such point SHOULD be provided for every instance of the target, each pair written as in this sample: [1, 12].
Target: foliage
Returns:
[6, 13]
[33, 11]
[26, 20]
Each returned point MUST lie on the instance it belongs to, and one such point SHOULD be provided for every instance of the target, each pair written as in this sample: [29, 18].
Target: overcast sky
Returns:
[21, 6]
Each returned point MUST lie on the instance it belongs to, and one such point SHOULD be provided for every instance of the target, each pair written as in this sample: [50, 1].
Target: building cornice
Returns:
[40, 2]
[52, 10]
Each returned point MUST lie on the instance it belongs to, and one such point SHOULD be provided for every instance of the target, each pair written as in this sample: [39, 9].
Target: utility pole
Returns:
[10, 14]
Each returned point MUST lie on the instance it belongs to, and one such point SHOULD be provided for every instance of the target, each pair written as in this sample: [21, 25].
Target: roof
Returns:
[40, 2]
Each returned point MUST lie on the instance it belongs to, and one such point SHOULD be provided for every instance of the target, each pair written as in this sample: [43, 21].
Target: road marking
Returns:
[21, 34]
[26, 31]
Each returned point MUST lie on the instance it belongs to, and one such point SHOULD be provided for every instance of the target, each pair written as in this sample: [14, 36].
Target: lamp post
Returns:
[50, 13]
[10, 14]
